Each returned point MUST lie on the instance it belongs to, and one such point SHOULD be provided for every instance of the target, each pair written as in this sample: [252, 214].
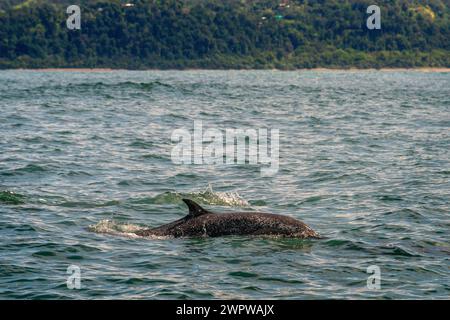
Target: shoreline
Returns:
[93, 70]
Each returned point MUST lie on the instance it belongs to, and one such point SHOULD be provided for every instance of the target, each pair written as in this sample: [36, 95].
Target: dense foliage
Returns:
[224, 34]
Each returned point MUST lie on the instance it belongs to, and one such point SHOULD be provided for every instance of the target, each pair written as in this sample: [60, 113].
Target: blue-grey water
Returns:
[85, 158]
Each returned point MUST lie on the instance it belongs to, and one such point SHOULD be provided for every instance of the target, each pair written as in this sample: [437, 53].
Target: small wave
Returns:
[9, 197]
[346, 244]
[145, 86]
[281, 280]
[409, 213]
[85, 204]
[142, 144]
[120, 229]
[30, 168]
[397, 250]
[151, 85]
[155, 156]
[208, 197]
[94, 87]
[389, 198]
[243, 274]
[385, 249]
[113, 227]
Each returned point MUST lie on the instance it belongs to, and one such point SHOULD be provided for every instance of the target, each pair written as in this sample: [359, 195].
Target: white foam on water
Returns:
[209, 196]
[116, 228]
[121, 229]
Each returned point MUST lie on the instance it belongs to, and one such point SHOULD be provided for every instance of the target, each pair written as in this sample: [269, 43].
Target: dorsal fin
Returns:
[194, 209]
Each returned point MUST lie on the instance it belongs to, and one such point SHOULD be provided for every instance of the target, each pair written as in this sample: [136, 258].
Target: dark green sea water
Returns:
[364, 160]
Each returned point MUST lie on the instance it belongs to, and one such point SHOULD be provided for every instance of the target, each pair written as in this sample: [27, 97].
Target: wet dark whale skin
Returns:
[203, 223]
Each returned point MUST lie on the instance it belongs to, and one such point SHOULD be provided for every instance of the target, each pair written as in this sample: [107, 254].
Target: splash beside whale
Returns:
[204, 223]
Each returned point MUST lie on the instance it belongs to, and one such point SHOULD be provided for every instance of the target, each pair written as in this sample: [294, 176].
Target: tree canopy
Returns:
[224, 34]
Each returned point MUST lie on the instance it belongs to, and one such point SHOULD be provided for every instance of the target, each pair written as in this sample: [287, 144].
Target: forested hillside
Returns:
[224, 34]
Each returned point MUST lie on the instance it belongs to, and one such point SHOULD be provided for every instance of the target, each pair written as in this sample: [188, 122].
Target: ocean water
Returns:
[85, 159]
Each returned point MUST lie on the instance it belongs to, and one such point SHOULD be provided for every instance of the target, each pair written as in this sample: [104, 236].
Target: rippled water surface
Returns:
[364, 160]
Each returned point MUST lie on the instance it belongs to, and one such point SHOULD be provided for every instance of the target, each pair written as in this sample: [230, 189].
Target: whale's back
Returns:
[204, 223]
[236, 223]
